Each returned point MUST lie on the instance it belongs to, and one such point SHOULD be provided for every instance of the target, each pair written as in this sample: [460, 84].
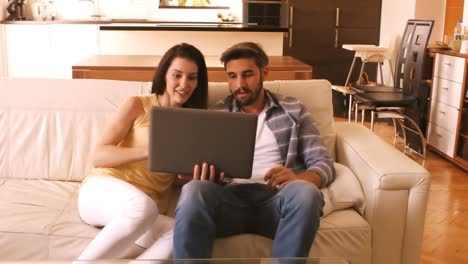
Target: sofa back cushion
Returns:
[316, 95]
[50, 126]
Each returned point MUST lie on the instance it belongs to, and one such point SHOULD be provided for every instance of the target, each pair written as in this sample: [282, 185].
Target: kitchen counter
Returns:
[433, 51]
[164, 26]
[62, 21]
[153, 25]
[142, 67]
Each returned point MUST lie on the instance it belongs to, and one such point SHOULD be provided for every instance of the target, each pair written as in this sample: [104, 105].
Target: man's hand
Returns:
[204, 172]
[278, 177]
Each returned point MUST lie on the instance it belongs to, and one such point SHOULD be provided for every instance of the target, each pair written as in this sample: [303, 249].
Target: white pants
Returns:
[128, 216]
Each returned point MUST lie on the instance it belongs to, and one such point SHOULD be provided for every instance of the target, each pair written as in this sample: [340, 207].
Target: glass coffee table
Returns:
[322, 260]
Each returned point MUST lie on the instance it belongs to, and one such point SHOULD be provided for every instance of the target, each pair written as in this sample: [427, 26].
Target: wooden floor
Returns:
[446, 228]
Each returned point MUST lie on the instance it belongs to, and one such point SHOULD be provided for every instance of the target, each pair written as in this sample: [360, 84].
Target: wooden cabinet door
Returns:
[311, 32]
[318, 28]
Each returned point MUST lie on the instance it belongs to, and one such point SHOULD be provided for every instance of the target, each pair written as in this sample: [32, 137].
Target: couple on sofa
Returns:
[281, 200]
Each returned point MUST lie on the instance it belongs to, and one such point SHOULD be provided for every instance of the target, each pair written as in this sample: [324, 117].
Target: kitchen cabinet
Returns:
[318, 29]
[448, 119]
[71, 44]
[28, 50]
[48, 50]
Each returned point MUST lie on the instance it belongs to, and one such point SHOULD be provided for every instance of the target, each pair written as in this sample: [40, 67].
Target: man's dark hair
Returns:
[199, 98]
[245, 50]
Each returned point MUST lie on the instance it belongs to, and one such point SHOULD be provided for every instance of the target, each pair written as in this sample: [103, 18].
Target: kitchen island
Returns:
[142, 67]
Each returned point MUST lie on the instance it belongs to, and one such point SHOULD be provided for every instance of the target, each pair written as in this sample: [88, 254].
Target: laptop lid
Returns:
[179, 138]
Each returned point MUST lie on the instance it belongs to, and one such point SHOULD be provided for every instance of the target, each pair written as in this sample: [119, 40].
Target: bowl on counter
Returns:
[229, 17]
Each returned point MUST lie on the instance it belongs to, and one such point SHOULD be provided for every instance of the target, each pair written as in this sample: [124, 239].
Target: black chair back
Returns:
[410, 60]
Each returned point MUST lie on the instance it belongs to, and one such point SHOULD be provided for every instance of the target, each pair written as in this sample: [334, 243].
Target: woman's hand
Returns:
[205, 172]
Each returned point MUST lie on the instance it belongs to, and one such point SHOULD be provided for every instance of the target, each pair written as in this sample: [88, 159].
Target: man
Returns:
[282, 200]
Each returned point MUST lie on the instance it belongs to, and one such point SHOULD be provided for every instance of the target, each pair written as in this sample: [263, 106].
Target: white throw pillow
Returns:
[345, 192]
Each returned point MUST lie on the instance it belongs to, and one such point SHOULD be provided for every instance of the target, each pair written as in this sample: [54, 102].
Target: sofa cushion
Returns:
[343, 233]
[52, 125]
[29, 210]
[39, 220]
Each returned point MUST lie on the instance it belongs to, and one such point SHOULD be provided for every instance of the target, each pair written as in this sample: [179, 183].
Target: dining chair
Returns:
[402, 100]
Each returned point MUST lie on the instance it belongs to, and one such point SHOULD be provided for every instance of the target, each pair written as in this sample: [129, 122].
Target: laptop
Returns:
[179, 138]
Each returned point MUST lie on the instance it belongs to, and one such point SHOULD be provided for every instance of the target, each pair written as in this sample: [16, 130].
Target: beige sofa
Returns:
[374, 210]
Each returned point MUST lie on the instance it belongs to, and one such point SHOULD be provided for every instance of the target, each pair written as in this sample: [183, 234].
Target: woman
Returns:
[120, 193]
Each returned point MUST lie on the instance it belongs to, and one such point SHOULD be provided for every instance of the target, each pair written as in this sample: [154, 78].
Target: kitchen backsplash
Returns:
[136, 9]
[200, 15]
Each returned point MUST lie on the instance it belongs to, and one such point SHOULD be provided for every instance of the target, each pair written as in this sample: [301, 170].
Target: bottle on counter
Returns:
[456, 41]
[39, 10]
[51, 10]
[458, 30]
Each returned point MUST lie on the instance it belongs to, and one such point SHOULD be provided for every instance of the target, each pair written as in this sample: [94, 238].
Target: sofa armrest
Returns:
[396, 191]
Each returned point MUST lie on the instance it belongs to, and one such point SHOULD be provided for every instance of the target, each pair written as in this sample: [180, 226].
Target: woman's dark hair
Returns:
[199, 96]
[245, 50]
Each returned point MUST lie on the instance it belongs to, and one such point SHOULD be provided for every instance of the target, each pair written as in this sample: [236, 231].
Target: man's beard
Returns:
[253, 95]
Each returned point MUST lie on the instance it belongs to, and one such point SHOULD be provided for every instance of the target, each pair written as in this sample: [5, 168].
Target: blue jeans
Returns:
[207, 211]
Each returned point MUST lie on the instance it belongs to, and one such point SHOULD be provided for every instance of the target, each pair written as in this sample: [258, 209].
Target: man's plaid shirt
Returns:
[299, 142]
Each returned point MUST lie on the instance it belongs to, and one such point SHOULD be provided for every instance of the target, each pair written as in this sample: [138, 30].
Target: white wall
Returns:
[434, 10]
[391, 29]
[465, 12]
[395, 14]
[392, 25]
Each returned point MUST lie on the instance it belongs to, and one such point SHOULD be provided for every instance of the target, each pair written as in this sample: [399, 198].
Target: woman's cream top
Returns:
[155, 185]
